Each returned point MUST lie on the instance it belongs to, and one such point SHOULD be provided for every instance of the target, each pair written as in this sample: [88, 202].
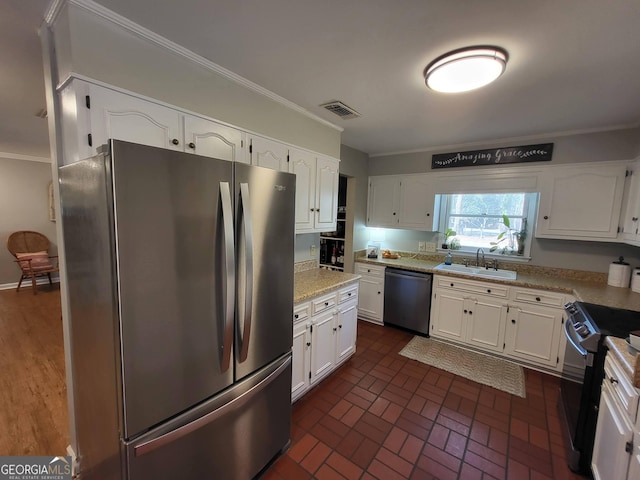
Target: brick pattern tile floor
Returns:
[383, 416]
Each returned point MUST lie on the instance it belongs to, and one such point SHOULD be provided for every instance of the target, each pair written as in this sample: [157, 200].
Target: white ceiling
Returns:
[574, 64]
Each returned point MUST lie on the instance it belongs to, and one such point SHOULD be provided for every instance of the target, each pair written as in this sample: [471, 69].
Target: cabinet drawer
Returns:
[369, 270]
[301, 312]
[621, 386]
[348, 293]
[481, 288]
[537, 297]
[323, 303]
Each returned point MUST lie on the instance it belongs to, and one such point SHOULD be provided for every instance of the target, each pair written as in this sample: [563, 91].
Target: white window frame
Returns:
[531, 202]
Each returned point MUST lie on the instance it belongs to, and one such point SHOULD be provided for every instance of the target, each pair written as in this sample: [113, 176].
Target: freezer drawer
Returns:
[232, 436]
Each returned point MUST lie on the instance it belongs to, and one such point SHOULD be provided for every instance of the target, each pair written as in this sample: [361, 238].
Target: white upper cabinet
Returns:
[327, 178]
[211, 139]
[631, 218]
[269, 154]
[581, 202]
[316, 191]
[416, 202]
[383, 201]
[303, 165]
[124, 117]
[401, 202]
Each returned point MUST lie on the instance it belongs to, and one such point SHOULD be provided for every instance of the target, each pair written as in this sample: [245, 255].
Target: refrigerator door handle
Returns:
[230, 275]
[245, 212]
[235, 404]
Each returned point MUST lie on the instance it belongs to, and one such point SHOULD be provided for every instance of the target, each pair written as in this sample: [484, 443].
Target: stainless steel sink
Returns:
[478, 271]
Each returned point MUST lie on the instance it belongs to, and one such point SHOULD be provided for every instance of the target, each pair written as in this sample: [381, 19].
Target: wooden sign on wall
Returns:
[494, 156]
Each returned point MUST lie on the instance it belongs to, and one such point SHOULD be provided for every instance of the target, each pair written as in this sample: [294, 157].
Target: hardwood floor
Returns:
[33, 395]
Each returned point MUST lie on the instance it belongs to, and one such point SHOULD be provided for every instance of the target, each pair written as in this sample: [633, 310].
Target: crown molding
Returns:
[29, 158]
[526, 138]
[146, 34]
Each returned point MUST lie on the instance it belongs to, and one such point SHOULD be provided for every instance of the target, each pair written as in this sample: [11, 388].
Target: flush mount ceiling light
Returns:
[465, 69]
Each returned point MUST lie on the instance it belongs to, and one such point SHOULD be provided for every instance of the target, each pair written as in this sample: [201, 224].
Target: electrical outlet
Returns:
[422, 247]
[312, 250]
[430, 247]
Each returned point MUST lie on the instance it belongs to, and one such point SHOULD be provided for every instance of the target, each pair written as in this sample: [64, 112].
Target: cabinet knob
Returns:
[339, 326]
[452, 284]
[537, 299]
[488, 290]
[175, 141]
[335, 329]
[318, 210]
[192, 145]
[513, 320]
[428, 214]
[464, 311]
[326, 304]
[378, 293]
[635, 219]
[394, 213]
[308, 344]
[470, 312]
[313, 209]
[295, 316]
[546, 217]
[349, 294]
[613, 381]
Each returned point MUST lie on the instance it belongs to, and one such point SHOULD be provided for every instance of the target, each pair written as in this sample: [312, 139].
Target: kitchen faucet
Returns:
[478, 257]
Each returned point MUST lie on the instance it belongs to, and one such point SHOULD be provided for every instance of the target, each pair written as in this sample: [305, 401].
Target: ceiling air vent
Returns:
[340, 109]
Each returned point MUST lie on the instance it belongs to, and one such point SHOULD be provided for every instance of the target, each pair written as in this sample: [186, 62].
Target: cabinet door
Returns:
[371, 298]
[347, 331]
[581, 202]
[533, 334]
[323, 345]
[416, 203]
[485, 323]
[383, 202]
[303, 165]
[326, 194]
[269, 154]
[301, 356]
[211, 139]
[610, 459]
[631, 224]
[448, 316]
[634, 464]
[123, 117]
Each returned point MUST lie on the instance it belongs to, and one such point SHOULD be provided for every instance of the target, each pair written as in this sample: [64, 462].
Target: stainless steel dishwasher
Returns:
[407, 299]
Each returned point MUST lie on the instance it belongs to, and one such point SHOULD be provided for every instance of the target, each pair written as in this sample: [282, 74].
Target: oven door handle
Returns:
[581, 350]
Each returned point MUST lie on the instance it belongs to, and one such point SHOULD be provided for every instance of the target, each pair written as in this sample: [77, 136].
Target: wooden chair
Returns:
[31, 250]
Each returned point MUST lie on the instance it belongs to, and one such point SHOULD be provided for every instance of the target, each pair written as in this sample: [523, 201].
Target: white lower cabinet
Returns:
[615, 457]
[324, 336]
[371, 303]
[522, 324]
[474, 320]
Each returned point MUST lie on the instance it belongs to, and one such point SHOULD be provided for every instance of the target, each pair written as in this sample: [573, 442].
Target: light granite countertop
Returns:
[314, 282]
[630, 362]
[590, 287]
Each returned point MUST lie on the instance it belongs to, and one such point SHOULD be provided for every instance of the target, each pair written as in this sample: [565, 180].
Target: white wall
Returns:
[24, 205]
[303, 247]
[92, 46]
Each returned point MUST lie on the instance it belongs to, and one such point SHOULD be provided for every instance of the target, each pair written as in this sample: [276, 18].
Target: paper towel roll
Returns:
[635, 280]
[619, 275]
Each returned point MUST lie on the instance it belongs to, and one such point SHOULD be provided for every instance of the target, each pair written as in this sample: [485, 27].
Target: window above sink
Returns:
[478, 220]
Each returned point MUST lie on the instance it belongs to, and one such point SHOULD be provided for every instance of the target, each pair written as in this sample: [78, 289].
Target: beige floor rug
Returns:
[485, 369]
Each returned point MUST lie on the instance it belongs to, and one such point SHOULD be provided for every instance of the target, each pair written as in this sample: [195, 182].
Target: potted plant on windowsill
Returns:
[449, 233]
[512, 236]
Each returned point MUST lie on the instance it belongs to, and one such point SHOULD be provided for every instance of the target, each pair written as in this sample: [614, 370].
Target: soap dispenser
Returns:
[448, 260]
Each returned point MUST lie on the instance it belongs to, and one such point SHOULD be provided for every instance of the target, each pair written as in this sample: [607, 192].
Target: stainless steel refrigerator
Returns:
[180, 287]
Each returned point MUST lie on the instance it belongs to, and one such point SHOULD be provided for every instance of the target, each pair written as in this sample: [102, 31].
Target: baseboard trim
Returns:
[27, 283]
